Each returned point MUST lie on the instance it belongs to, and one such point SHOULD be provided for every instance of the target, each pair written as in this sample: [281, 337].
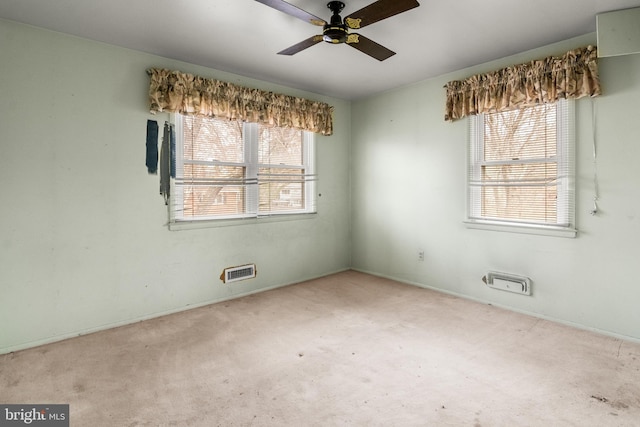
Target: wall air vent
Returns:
[241, 272]
[508, 282]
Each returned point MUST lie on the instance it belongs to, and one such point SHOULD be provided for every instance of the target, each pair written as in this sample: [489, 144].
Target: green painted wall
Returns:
[409, 193]
[83, 238]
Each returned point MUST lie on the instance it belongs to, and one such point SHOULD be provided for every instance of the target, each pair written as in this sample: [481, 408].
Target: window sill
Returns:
[523, 229]
[233, 222]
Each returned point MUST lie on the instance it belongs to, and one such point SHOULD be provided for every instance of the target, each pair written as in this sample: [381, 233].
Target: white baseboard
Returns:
[62, 337]
[514, 309]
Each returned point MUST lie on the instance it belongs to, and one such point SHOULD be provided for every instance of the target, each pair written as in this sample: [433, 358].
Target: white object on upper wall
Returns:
[618, 32]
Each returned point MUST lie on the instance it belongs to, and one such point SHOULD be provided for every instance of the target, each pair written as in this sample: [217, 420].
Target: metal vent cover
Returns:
[508, 282]
[241, 272]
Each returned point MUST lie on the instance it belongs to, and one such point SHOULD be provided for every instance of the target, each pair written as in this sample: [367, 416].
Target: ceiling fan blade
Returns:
[369, 47]
[377, 11]
[301, 46]
[294, 11]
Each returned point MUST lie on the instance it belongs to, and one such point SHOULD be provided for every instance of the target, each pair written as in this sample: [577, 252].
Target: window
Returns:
[230, 169]
[521, 169]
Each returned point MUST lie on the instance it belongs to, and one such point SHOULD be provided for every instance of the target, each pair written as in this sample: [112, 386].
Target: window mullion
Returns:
[177, 191]
[250, 139]
[308, 154]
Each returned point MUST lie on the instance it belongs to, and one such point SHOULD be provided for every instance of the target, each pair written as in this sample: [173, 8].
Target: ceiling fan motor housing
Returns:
[335, 31]
[334, 34]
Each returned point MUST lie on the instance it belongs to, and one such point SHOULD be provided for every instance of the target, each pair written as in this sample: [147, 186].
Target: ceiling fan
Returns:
[337, 30]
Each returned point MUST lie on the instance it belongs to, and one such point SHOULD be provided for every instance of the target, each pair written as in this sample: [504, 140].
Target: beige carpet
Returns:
[348, 349]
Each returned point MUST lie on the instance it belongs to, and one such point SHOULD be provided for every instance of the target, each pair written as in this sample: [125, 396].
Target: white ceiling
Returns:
[243, 36]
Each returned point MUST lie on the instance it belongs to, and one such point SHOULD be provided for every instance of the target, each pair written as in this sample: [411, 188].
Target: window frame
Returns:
[565, 154]
[250, 143]
[307, 166]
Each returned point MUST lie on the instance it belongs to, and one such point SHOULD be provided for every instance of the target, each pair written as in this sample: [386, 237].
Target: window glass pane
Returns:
[279, 146]
[213, 190]
[521, 203]
[520, 192]
[210, 139]
[228, 169]
[212, 172]
[515, 186]
[281, 189]
[209, 200]
[521, 168]
[528, 133]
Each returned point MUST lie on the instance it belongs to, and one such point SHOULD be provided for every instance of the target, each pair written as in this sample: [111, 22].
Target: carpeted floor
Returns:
[346, 350]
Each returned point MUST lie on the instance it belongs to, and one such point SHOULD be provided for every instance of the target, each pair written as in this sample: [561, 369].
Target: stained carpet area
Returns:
[349, 349]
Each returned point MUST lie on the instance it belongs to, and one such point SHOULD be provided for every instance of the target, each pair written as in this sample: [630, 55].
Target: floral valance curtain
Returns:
[573, 75]
[183, 93]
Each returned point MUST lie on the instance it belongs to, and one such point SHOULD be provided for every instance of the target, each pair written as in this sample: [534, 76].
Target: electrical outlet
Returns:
[420, 255]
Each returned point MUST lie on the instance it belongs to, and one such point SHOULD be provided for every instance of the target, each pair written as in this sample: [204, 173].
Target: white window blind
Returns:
[521, 167]
[284, 171]
[229, 169]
